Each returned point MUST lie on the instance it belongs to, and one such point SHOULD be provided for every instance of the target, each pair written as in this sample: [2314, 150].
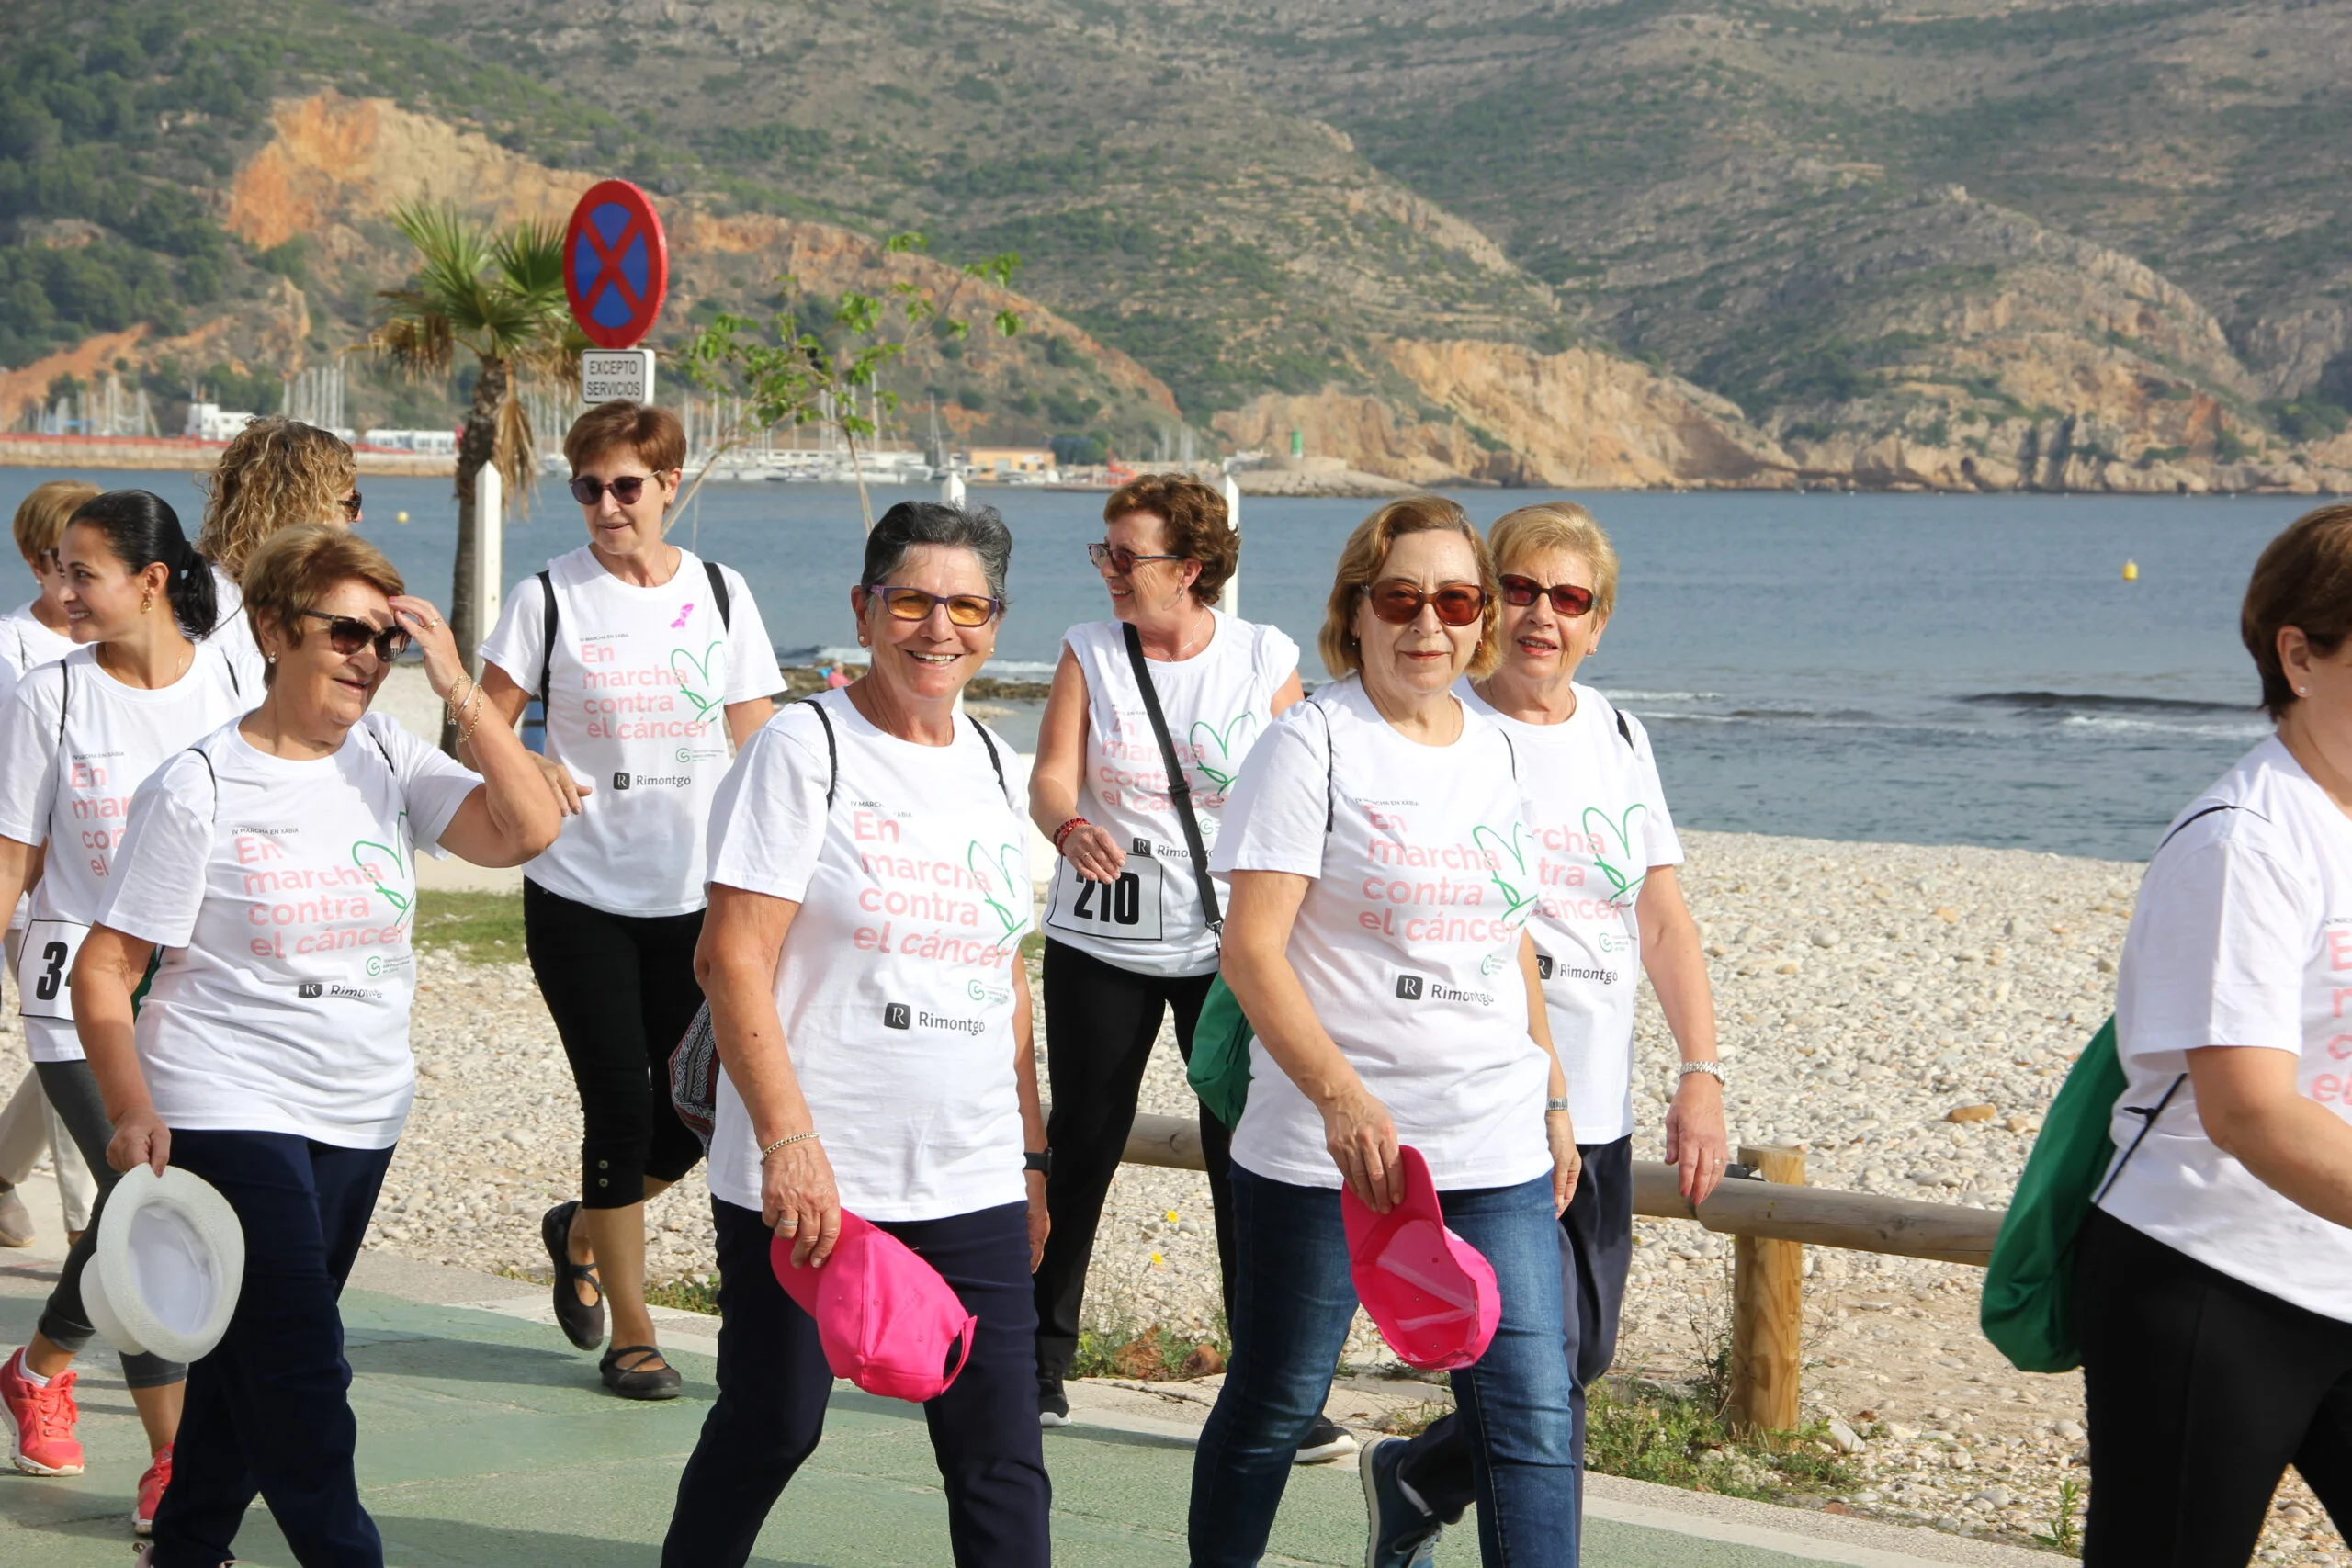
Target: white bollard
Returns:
[951, 490]
[1229, 600]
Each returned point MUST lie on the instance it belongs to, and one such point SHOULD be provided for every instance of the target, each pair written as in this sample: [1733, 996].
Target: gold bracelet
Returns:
[468, 733]
[454, 702]
[780, 1143]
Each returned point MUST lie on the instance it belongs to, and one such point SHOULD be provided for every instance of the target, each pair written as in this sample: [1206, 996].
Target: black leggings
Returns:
[73, 1088]
[621, 989]
[1100, 1021]
[2202, 1390]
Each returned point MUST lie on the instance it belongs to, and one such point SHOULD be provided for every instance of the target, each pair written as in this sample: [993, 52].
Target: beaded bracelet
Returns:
[1066, 828]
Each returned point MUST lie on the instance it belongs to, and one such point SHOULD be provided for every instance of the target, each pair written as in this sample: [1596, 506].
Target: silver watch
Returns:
[1713, 1069]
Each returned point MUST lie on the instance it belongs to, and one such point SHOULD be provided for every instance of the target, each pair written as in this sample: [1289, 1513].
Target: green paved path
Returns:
[482, 1443]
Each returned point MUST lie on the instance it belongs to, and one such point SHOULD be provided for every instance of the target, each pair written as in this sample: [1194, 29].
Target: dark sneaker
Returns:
[1398, 1533]
[1326, 1439]
[1052, 1406]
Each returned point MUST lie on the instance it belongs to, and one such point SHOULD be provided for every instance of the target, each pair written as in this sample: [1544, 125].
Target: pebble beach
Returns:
[1903, 1014]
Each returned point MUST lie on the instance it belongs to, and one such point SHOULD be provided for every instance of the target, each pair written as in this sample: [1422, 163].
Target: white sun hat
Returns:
[170, 1257]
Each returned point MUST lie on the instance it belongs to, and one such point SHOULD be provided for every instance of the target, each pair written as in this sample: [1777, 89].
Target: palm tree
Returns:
[498, 296]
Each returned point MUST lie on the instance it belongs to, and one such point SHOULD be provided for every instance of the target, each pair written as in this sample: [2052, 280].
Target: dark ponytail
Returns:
[141, 529]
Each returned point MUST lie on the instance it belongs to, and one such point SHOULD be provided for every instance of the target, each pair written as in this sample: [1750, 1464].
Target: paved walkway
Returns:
[485, 1442]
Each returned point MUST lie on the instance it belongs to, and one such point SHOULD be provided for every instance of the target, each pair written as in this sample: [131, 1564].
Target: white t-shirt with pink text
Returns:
[1593, 799]
[2243, 937]
[637, 700]
[69, 785]
[282, 894]
[893, 985]
[1422, 876]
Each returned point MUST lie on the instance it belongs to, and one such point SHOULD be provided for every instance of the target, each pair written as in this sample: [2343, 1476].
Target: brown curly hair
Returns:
[1195, 519]
[275, 473]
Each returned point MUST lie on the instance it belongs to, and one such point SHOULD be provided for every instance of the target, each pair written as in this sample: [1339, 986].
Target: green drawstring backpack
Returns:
[1219, 1070]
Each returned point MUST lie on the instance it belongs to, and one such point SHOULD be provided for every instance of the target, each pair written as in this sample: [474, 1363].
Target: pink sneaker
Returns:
[150, 1492]
[42, 1419]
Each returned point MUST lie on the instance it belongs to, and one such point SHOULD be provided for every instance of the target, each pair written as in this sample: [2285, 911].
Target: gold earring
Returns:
[146, 603]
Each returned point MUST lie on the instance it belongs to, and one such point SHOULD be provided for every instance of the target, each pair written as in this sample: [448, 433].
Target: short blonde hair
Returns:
[276, 472]
[41, 517]
[1565, 526]
[297, 567]
[1366, 552]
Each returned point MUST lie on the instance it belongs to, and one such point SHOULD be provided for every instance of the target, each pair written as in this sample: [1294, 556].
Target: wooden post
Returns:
[1768, 1310]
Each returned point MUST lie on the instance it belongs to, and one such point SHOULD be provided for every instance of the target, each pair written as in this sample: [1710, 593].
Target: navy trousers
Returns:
[1600, 1250]
[773, 1385]
[269, 1410]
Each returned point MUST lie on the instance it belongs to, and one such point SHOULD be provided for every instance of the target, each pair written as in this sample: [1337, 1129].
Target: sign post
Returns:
[1229, 597]
[616, 274]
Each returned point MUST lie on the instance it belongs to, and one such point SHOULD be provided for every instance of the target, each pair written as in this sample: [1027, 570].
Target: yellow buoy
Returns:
[403, 517]
[2130, 568]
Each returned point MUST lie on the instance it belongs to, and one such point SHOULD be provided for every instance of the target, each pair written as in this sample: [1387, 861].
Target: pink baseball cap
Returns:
[888, 1323]
[1431, 1294]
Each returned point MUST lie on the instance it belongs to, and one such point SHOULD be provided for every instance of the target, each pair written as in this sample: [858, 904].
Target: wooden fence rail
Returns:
[1774, 1219]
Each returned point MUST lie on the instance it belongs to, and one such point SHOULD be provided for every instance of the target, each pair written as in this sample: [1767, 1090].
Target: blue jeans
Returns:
[1292, 1301]
[269, 1410]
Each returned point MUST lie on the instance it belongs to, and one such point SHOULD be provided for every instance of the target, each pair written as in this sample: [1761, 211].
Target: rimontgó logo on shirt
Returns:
[899, 1015]
[1413, 987]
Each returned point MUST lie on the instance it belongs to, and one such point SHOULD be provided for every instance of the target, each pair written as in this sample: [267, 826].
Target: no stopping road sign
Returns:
[616, 264]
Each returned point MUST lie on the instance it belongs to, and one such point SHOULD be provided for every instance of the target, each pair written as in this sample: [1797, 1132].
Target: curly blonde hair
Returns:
[277, 472]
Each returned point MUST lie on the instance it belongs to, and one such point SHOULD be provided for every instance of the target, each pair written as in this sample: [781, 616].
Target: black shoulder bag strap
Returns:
[995, 761]
[2148, 1113]
[719, 595]
[1180, 788]
[546, 637]
[832, 750]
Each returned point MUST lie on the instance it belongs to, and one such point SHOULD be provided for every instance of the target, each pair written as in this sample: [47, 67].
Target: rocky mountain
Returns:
[1973, 244]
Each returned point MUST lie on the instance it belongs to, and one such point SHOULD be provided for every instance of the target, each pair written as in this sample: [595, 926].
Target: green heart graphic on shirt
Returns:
[1624, 887]
[1507, 868]
[399, 901]
[701, 669]
[1006, 871]
[1229, 743]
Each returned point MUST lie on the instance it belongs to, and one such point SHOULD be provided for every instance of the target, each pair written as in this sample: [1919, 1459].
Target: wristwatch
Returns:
[1713, 1069]
[1039, 1160]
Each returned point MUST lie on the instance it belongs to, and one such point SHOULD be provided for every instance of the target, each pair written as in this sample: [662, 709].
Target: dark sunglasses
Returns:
[1400, 602]
[588, 490]
[914, 604]
[350, 505]
[1120, 559]
[348, 634]
[1566, 597]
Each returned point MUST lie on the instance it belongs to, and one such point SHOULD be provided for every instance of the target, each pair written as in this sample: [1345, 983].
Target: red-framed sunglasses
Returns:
[1567, 598]
[1398, 601]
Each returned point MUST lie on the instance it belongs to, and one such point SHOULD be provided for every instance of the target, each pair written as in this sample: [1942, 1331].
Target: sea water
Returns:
[1918, 668]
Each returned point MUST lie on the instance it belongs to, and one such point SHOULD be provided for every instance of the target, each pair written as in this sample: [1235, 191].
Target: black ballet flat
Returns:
[582, 1322]
[639, 1381]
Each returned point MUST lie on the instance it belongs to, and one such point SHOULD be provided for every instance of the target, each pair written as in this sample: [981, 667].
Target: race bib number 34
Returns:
[45, 971]
[1127, 909]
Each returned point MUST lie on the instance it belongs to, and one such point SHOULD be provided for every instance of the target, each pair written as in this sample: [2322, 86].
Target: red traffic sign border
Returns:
[646, 307]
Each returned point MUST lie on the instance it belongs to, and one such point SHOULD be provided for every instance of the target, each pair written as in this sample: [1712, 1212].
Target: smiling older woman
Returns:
[270, 1053]
[869, 887]
[1612, 909]
[1391, 1009]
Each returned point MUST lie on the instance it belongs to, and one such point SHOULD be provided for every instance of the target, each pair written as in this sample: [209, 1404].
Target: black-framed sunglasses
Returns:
[1398, 601]
[348, 634]
[350, 505]
[589, 491]
[914, 604]
[1120, 559]
[1567, 598]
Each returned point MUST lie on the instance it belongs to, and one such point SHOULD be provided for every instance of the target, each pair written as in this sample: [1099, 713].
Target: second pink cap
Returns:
[1431, 1294]
[888, 1323]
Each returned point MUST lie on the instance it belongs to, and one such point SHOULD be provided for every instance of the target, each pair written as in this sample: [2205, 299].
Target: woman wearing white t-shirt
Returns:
[1127, 938]
[34, 633]
[269, 870]
[1611, 911]
[274, 473]
[2213, 1280]
[657, 665]
[1383, 878]
[869, 888]
[81, 734]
